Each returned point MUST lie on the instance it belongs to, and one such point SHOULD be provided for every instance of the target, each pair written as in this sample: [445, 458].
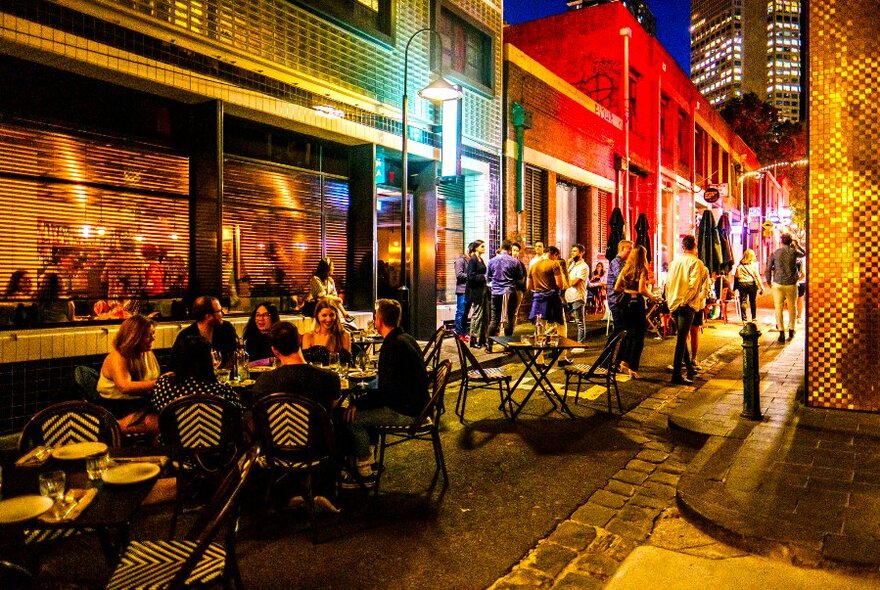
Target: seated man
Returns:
[209, 324]
[401, 396]
[295, 375]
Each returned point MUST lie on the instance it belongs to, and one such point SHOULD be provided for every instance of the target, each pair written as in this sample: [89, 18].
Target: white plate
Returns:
[81, 450]
[22, 508]
[131, 473]
[362, 374]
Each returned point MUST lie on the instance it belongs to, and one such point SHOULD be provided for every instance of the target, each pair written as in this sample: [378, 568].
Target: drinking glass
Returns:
[223, 375]
[333, 360]
[217, 358]
[95, 466]
[52, 484]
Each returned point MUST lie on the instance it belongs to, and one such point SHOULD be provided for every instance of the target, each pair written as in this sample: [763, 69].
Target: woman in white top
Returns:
[322, 286]
[129, 373]
[748, 283]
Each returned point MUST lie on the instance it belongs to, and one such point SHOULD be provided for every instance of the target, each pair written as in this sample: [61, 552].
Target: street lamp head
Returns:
[440, 90]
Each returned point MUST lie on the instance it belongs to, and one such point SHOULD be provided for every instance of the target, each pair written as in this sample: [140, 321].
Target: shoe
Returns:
[350, 481]
[682, 381]
[475, 343]
[578, 350]
[781, 338]
[634, 374]
[565, 362]
[325, 504]
[697, 367]
[790, 334]
[670, 368]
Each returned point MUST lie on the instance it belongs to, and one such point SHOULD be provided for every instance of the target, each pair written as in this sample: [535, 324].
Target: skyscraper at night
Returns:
[740, 46]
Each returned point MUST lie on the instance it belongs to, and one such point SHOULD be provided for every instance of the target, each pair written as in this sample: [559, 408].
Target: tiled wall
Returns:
[843, 295]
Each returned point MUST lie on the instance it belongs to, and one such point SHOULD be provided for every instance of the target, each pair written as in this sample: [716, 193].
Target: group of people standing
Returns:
[492, 292]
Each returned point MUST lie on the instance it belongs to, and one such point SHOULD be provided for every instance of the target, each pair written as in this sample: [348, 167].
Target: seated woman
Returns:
[322, 287]
[193, 375]
[128, 375]
[327, 336]
[256, 332]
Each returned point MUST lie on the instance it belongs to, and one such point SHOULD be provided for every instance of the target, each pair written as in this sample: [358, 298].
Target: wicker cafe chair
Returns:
[204, 433]
[425, 427]
[474, 376]
[196, 560]
[431, 356]
[603, 371]
[297, 438]
[70, 422]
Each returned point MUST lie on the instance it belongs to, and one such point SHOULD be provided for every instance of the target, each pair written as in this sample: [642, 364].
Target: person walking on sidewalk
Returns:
[783, 276]
[748, 282]
[685, 294]
[461, 267]
[504, 273]
[632, 292]
[624, 247]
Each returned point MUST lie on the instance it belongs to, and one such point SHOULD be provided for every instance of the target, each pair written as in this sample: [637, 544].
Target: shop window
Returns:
[97, 222]
[278, 221]
[467, 50]
[450, 236]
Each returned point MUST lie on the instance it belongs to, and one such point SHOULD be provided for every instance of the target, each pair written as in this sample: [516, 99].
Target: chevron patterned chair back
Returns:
[425, 426]
[603, 371]
[70, 422]
[296, 434]
[431, 352]
[198, 559]
[475, 376]
[204, 433]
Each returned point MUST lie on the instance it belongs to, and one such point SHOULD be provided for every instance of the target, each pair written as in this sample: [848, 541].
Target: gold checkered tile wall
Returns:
[843, 333]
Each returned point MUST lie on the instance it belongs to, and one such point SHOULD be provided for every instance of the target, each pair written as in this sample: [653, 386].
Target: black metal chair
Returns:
[297, 438]
[86, 379]
[197, 560]
[204, 434]
[431, 352]
[474, 376]
[70, 422]
[603, 371]
[15, 577]
[425, 427]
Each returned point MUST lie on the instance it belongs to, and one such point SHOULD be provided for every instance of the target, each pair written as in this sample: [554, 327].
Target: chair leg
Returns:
[438, 457]
[313, 512]
[617, 393]
[381, 461]
[463, 404]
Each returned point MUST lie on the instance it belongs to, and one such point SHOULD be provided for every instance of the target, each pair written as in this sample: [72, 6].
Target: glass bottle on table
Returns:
[242, 360]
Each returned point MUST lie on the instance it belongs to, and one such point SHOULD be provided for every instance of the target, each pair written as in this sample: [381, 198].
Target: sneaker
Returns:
[781, 338]
[790, 334]
[350, 481]
[682, 381]
[697, 366]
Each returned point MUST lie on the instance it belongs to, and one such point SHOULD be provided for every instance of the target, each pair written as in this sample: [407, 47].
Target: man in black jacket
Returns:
[402, 392]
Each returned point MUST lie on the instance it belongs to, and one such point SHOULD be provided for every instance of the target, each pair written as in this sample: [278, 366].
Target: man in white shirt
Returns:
[685, 294]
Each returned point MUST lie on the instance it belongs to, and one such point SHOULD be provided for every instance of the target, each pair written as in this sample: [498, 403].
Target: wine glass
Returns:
[217, 358]
[52, 485]
[333, 361]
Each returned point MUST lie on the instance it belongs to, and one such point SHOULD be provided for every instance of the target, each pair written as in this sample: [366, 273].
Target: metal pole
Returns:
[751, 375]
[626, 32]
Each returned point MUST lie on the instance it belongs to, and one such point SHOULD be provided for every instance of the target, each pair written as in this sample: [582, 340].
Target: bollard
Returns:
[751, 375]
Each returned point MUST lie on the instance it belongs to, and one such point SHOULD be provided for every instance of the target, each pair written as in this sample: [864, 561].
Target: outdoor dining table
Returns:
[528, 352]
[109, 513]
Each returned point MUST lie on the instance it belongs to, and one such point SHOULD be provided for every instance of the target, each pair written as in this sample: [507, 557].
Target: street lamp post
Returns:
[439, 90]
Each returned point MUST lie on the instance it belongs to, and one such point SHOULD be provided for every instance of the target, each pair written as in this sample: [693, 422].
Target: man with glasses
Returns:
[208, 316]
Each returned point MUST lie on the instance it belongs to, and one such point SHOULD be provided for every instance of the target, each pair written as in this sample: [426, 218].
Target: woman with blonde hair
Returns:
[328, 336]
[747, 280]
[128, 375]
[632, 289]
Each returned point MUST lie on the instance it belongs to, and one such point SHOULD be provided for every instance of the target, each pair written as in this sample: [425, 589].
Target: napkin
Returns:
[35, 457]
[81, 499]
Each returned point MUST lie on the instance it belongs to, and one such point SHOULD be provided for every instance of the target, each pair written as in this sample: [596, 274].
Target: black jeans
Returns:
[683, 317]
[748, 291]
[636, 326]
[510, 313]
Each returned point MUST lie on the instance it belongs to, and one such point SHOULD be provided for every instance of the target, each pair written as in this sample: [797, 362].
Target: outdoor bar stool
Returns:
[603, 371]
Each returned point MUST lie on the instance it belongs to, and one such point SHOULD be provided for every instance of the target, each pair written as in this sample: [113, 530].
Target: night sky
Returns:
[673, 22]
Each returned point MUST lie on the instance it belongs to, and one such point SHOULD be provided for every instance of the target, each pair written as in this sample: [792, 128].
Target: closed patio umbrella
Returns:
[723, 229]
[708, 244]
[615, 233]
[643, 237]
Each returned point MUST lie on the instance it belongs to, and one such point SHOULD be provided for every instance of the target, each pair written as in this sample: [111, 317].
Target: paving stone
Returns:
[551, 558]
[658, 490]
[619, 487]
[578, 581]
[638, 465]
[652, 455]
[628, 530]
[608, 499]
[594, 514]
[524, 577]
[663, 477]
[649, 501]
[675, 467]
[638, 515]
[573, 535]
[630, 476]
[597, 564]
[611, 544]
[852, 549]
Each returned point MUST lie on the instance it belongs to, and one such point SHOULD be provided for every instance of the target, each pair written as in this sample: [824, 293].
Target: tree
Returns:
[754, 120]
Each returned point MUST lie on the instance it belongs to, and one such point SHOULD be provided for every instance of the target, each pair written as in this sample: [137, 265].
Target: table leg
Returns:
[529, 358]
